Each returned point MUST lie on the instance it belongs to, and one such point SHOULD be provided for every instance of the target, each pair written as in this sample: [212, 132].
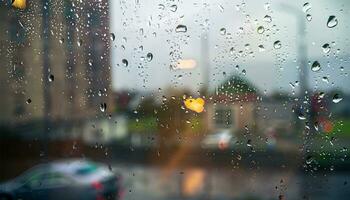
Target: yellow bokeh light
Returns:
[186, 64]
[196, 105]
[20, 4]
[193, 182]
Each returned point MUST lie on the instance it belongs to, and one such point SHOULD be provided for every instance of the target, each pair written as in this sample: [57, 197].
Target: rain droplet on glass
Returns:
[316, 126]
[249, 143]
[315, 66]
[306, 7]
[223, 31]
[161, 6]
[332, 21]
[325, 79]
[277, 44]
[51, 78]
[173, 8]
[337, 98]
[61, 40]
[103, 107]
[261, 30]
[181, 28]
[232, 50]
[125, 62]
[80, 42]
[112, 36]
[261, 48]
[326, 48]
[309, 160]
[308, 17]
[149, 57]
[268, 18]
[301, 116]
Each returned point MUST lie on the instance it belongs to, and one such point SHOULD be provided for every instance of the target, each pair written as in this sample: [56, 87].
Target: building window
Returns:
[223, 117]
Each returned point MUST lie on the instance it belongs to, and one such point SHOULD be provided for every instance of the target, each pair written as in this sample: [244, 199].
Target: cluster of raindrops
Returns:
[306, 9]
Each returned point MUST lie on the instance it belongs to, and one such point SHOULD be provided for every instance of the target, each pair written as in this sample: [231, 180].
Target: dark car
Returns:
[66, 179]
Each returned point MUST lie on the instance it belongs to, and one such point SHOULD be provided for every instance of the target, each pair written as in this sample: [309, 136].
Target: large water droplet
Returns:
[112, 36]
[261, 48]
[103, 107]
[181, 28]
[125, 62]
[149, 57]
[315, 66]
[337, 98]
[261, 30]
[309, 160]
[308, 17]
[325, 79]
[232, 50]
[61, 40]
[277, 44]
[306, 7]
[161, 6]
[141, 31]
[249, 143]
[332, 21]
[223, 31]
[90, 62]
[51, 78]
[173, 8]
[268, 18]
[316, 126]
[80, 42]
[301, 116]
[221, 8]
[321, 95]
[326, 48]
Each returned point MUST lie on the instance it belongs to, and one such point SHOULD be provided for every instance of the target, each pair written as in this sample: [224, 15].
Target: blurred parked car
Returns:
[64, 180]
[220, 140]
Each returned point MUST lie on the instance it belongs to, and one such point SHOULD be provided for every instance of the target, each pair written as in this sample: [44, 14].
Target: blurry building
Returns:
[232, 107]
[78, 62]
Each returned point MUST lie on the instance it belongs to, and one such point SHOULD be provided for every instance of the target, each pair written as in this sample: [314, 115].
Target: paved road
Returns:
[151, 182]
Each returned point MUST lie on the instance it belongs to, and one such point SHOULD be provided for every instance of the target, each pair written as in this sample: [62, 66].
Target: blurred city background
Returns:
[182, 99]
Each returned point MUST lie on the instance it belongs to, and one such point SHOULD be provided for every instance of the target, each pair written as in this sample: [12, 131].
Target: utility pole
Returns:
[304, 103]
[70, 65]
[205, 63]
[303, 94]
[301, 47]
[46, 73]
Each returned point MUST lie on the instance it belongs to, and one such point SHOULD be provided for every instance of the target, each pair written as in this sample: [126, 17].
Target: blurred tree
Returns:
[172, 116]
[148, 106]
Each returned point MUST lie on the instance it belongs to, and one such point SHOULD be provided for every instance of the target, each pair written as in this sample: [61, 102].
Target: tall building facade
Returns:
[60, 46]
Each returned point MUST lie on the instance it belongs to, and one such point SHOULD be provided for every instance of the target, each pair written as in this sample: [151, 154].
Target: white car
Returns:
[219, 140]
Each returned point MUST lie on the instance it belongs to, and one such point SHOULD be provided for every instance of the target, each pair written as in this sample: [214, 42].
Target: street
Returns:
[151, 182]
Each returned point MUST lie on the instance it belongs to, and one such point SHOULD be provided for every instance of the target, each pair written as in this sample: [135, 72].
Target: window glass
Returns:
[175, 99]
[47, 180]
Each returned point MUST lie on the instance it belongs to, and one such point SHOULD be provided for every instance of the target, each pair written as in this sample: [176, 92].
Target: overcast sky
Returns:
[146, 26]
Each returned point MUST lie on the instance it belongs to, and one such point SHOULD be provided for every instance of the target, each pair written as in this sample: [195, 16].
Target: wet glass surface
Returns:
[174, 99]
